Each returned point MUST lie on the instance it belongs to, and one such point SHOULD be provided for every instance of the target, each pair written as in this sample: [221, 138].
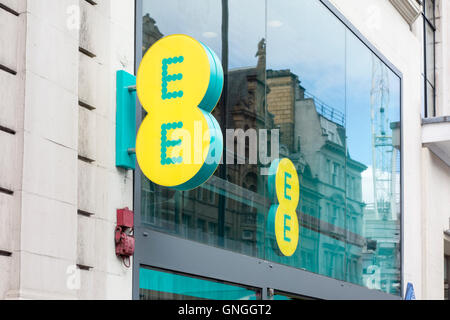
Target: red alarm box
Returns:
[124, 243]
[125, 218]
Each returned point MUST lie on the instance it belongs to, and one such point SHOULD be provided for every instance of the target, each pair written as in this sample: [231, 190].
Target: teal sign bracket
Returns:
[125, 120]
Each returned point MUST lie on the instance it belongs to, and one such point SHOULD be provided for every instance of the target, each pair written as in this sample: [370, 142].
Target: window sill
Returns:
[436, 136]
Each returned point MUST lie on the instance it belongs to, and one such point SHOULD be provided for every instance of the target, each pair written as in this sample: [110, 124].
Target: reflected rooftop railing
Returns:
[326, 111]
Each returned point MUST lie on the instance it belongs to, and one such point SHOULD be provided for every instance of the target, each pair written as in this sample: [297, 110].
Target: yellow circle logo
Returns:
[179, 82]
[282, 218]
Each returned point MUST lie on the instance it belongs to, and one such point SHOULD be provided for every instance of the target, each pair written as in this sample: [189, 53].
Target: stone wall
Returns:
[62, 188]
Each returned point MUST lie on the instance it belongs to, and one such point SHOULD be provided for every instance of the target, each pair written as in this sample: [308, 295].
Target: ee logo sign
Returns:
[282, 220]
[179, 82]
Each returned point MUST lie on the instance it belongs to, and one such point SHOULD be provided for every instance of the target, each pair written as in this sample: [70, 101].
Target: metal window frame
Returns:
[428, 23]
[167, 252]
[447, 258]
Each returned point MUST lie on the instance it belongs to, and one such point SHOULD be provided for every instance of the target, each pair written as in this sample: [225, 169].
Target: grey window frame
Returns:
[432, 25]
[193, 258]
[447, 258]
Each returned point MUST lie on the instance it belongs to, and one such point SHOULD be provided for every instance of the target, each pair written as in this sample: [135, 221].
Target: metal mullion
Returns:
[137, 176]
[424, 13]
[434, 62]
[434, 12]
[432, 26]
[428, 23]
[448, 277]
[428, 81]
[425, 63]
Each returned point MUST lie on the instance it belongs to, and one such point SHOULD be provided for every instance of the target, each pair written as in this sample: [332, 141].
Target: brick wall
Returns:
[281, 103]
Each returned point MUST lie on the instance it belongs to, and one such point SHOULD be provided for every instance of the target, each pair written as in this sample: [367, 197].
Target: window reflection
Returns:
[337, 108]
[235, 192]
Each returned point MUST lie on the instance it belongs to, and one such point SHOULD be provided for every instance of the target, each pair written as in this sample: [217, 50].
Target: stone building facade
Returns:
[60, 188]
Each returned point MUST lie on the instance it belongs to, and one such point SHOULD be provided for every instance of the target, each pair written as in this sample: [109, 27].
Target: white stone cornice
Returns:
[409, 9]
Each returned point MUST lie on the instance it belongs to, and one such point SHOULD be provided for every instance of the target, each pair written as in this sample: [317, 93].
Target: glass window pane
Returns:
[430, 99]
[306, 95]
[336, 110]
[422, 94]
[429, 10]
[229, 210]
[284, 296]
[177, 16]
[159, 285]
[373, 129]
[430, 55]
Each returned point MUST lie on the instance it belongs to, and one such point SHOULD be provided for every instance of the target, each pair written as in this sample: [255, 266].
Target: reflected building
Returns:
[194, 214]
[150, 32]
[313, 136]
[381, 257]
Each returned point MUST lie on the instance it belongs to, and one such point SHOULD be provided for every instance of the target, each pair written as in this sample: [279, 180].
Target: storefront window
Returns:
[294, 72]
[161, 285]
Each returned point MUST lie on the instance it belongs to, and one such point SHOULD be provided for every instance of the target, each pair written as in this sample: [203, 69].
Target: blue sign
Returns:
[410, 292]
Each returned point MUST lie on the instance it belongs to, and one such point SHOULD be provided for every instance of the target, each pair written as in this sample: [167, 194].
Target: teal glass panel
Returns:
[327, 103]
[282, 296]
[279, 297]
[161, 285]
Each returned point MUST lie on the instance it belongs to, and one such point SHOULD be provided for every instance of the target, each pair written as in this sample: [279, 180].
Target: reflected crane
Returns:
[383, 152]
